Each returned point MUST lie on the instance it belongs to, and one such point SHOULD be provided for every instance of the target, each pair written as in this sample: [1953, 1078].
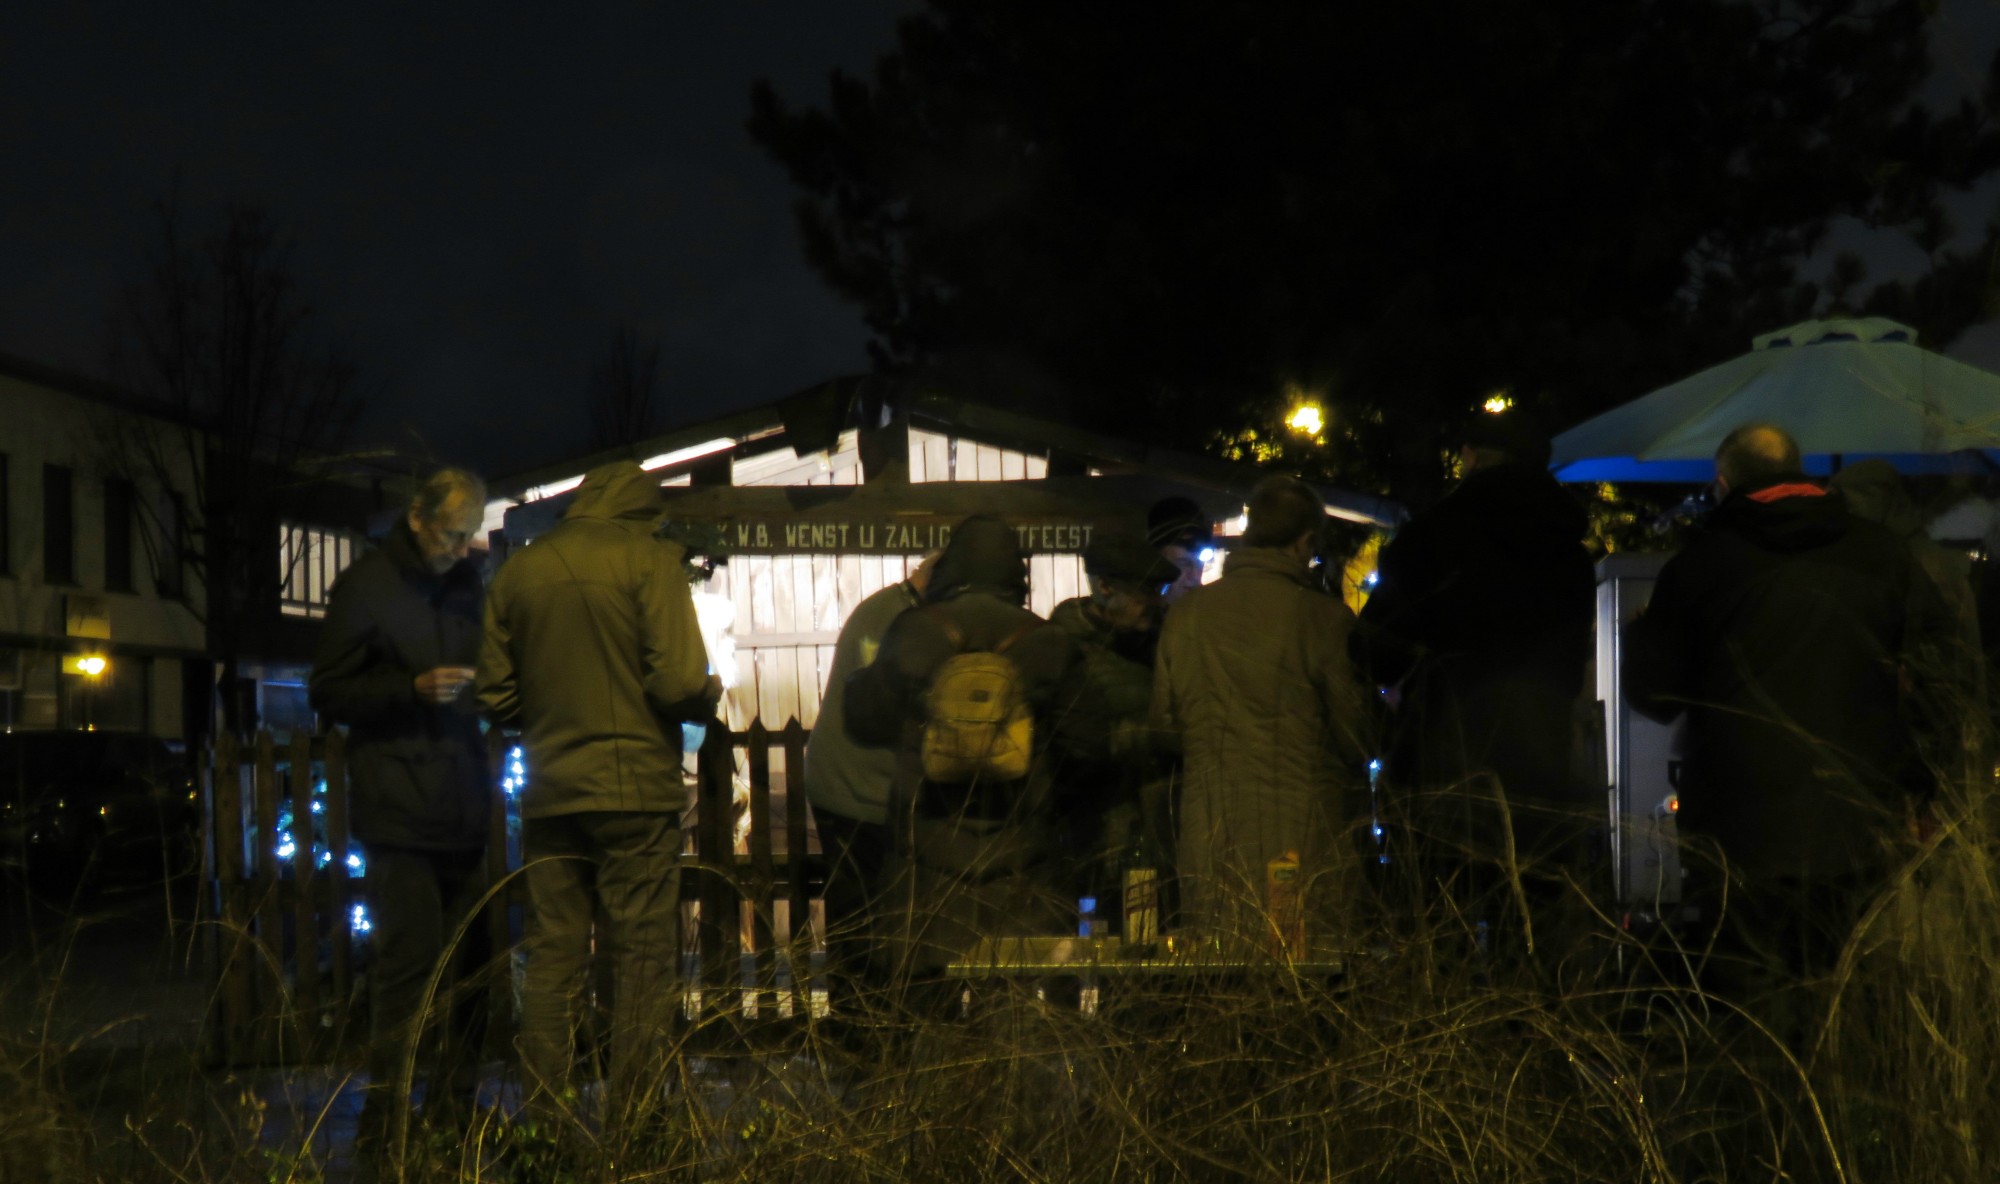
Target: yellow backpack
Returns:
[977, 724]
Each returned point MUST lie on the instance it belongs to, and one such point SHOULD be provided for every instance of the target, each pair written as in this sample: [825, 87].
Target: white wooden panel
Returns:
[805, 602]
[763, 606]
[829, 612]
[850, 584]
[1041, 585]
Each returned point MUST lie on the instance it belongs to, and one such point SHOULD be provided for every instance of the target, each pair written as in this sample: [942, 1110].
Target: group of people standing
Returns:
[1213, 732]
[1222, 735]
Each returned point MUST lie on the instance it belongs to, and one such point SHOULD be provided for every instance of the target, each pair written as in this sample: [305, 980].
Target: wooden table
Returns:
[1108, 957]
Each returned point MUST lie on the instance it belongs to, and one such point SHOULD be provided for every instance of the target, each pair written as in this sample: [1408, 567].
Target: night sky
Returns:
[479, 198]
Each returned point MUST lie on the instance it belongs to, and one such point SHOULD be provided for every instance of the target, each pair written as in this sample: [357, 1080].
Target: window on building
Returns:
[311, 559]
[937, 457]
[58, 526]
[168, 547]
[6, 521]
[117, 535]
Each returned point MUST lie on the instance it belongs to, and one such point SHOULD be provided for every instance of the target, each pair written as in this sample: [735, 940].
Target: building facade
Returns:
[100, 619]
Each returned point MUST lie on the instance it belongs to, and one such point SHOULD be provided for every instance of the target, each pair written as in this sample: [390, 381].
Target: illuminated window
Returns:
[936, 457]
[310, 559]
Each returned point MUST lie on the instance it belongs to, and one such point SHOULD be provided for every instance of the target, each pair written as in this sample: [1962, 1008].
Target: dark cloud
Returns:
[478, 195]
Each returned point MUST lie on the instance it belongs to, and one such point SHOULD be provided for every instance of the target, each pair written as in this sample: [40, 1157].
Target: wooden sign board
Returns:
[892, 535]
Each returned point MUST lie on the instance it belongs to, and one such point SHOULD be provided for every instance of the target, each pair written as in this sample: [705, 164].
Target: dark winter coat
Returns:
[967, 861]
[1108, 773]
[1254, 686]
[593, 650]
[1482, 609]
[843, 777]
[1779, 630]
[1951, 671]
[417, 769]
[976, 589]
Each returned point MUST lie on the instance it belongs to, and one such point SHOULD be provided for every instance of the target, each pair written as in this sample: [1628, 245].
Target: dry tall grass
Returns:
[1596, 1060]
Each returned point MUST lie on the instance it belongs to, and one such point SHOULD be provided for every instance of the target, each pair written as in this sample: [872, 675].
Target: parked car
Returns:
[110, 804]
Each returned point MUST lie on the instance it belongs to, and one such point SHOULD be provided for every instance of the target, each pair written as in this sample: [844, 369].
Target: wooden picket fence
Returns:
[286, 959]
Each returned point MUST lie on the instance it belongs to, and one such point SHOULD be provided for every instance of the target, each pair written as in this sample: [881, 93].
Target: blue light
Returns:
[1371, 579]
[361, 923]
[319, 807]
[1375, 766]
[1206, 554]
[325, 857]
[354, 862]
[514, 772]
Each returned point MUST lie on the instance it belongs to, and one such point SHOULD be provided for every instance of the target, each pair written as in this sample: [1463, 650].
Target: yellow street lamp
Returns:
[1307, 419]
[88, 665]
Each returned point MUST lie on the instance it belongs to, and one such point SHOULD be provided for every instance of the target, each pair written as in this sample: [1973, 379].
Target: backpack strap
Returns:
[1029, 626]
[956, 636]
[952, 633]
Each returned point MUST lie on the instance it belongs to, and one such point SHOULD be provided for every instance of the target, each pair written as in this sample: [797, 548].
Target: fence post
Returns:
[500, 996]
[225, 794]
[715, 857]
[339, 888]
[270, 914]
[305, 884]
[798, 865]
[762, 879]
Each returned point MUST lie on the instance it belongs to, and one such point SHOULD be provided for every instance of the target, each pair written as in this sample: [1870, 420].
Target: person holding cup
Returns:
[395, 663]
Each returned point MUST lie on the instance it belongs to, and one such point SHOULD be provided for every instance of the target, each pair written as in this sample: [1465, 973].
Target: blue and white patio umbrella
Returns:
[1847, 390]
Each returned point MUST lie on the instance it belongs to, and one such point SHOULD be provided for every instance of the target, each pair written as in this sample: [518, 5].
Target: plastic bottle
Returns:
[1283, 902]
[1139, 884]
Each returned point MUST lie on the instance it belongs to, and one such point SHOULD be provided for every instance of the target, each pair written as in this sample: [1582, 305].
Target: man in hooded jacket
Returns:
[1779, 631]
[394, 660]
[1481, 619]
[969, 860]
[593, 651]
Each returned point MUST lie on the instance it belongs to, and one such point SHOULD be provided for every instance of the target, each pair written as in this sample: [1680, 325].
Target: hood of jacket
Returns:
[984, 555]
[1783, 514]
[1524, 503]
[619, 490]
[1269, 560]
[1873, 490]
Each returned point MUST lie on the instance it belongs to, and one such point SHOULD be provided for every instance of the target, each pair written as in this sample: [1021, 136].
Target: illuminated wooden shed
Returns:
[829, 496]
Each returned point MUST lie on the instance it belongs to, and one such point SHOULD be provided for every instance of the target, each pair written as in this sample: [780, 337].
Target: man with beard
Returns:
[394, 664]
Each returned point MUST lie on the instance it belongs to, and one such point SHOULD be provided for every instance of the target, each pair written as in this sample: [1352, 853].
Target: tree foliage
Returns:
[217, 337]
[1176, 216]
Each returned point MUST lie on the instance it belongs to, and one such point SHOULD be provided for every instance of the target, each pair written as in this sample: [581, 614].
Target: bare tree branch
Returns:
[217, 341]
[622, 388]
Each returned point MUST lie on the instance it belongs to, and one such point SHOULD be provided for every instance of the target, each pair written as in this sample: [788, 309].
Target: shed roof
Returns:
[1088, 472]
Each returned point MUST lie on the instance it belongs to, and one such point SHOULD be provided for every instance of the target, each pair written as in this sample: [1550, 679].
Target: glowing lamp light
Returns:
[1307, 419]
[88, 665]
[1496, 404]
[1206, 555]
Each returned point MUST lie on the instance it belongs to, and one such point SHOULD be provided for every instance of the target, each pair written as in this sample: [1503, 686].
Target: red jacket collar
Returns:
[1772, 493]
